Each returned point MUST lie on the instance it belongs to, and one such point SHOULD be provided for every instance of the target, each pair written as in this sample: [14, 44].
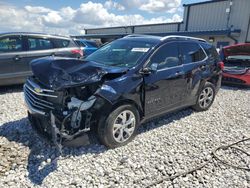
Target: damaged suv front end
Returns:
[61, 97]
[65, 96]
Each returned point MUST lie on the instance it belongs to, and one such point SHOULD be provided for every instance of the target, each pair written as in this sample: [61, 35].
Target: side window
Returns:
[39, 43]
[166, 56]
[191, 52]
[83, 44]
[61, 43]
[11, 44]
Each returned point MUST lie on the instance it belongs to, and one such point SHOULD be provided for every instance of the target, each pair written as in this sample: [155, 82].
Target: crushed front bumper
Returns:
[41, 113]
[42, 125]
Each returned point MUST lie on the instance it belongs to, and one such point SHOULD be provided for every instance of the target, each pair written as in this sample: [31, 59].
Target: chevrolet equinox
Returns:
[124, 83]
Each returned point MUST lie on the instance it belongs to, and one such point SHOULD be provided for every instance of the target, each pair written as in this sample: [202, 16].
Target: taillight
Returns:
[221, 65]
[77, 51]
[248, 72]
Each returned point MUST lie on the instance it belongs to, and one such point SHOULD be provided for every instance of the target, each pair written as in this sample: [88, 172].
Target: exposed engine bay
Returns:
[236, 58]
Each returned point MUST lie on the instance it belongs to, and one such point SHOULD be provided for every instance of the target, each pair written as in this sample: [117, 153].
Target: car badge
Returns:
[38, 90]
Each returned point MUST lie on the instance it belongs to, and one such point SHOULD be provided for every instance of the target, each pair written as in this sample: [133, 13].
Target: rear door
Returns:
[195, 66]
[38, 47]
[12, 56]
[165, 88]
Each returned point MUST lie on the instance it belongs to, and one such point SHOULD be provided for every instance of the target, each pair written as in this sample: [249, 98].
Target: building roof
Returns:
[33, 33]
[187, 33]
[204, 2]
[129, 26]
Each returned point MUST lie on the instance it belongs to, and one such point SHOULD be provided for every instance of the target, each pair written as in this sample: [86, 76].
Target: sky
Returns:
[71, 17]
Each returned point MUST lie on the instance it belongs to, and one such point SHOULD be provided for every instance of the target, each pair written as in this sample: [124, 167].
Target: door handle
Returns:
[203, 67]
[17, 58]
[178, 73]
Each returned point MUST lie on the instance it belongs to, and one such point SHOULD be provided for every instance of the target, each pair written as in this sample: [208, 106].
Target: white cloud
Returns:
[152, 6]
[110, 4]
[128, 4]
[68, 20]
[37, 10]
[175, 18]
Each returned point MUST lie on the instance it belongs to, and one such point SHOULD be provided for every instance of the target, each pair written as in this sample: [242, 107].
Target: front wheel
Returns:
[205, 97]
[120, 127]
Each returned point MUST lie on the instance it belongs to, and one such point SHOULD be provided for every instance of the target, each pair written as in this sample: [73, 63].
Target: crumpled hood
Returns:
[238, 49]
[57, 73]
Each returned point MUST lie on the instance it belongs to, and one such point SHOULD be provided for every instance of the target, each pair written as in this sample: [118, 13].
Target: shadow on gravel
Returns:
[234, 87]
[43, 157]
[11, 89]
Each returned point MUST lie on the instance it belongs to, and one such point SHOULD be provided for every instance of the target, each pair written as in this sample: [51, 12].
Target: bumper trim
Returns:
[33, 110]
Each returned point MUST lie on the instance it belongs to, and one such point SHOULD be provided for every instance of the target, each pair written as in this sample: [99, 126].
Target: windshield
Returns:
[122, 53]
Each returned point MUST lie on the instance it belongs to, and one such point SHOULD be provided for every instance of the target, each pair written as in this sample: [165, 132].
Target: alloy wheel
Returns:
[206, 97]
[124, 126]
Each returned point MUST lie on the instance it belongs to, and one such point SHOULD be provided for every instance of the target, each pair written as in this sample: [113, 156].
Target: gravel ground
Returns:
[164, 147]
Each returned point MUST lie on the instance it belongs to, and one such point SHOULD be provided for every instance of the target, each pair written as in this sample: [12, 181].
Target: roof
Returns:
[32, 33]
[202, 33]
[204, 2]
[237, 45]
[139, 25]
[187, 33]
[148, 38]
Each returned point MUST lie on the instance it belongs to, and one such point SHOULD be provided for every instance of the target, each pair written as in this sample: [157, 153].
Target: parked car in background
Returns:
[87, 46]
[237, 64]
[18, 49]
[124, 83]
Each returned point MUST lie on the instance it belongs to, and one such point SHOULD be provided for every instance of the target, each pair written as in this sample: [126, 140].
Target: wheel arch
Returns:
[130, 102]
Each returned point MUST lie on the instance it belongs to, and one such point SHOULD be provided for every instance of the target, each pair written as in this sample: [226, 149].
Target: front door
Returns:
[12, 56]
[165, 88]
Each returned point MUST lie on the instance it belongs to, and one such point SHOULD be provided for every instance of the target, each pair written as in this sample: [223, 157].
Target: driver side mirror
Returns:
[149, 70]
[145, 71]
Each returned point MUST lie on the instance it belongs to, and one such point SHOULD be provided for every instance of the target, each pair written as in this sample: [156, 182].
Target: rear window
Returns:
[11, 44]
[210, 51]
[39, 43]
[191, 52]
[61, 43]
[91, 44]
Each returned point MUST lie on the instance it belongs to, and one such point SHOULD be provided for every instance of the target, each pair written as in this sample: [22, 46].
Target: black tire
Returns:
[199, 106]
[106, 127]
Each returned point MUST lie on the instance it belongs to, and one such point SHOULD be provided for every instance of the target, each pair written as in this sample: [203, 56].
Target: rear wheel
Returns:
[120, 127]
[205, 97]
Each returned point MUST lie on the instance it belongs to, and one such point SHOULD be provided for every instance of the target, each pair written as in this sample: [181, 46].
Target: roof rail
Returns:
[182, 37]
[136, 35]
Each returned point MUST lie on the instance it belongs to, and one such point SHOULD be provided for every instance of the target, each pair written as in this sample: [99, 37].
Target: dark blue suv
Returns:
[122, 84]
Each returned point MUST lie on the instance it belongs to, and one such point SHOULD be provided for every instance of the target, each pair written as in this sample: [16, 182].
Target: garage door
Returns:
[248, 32]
